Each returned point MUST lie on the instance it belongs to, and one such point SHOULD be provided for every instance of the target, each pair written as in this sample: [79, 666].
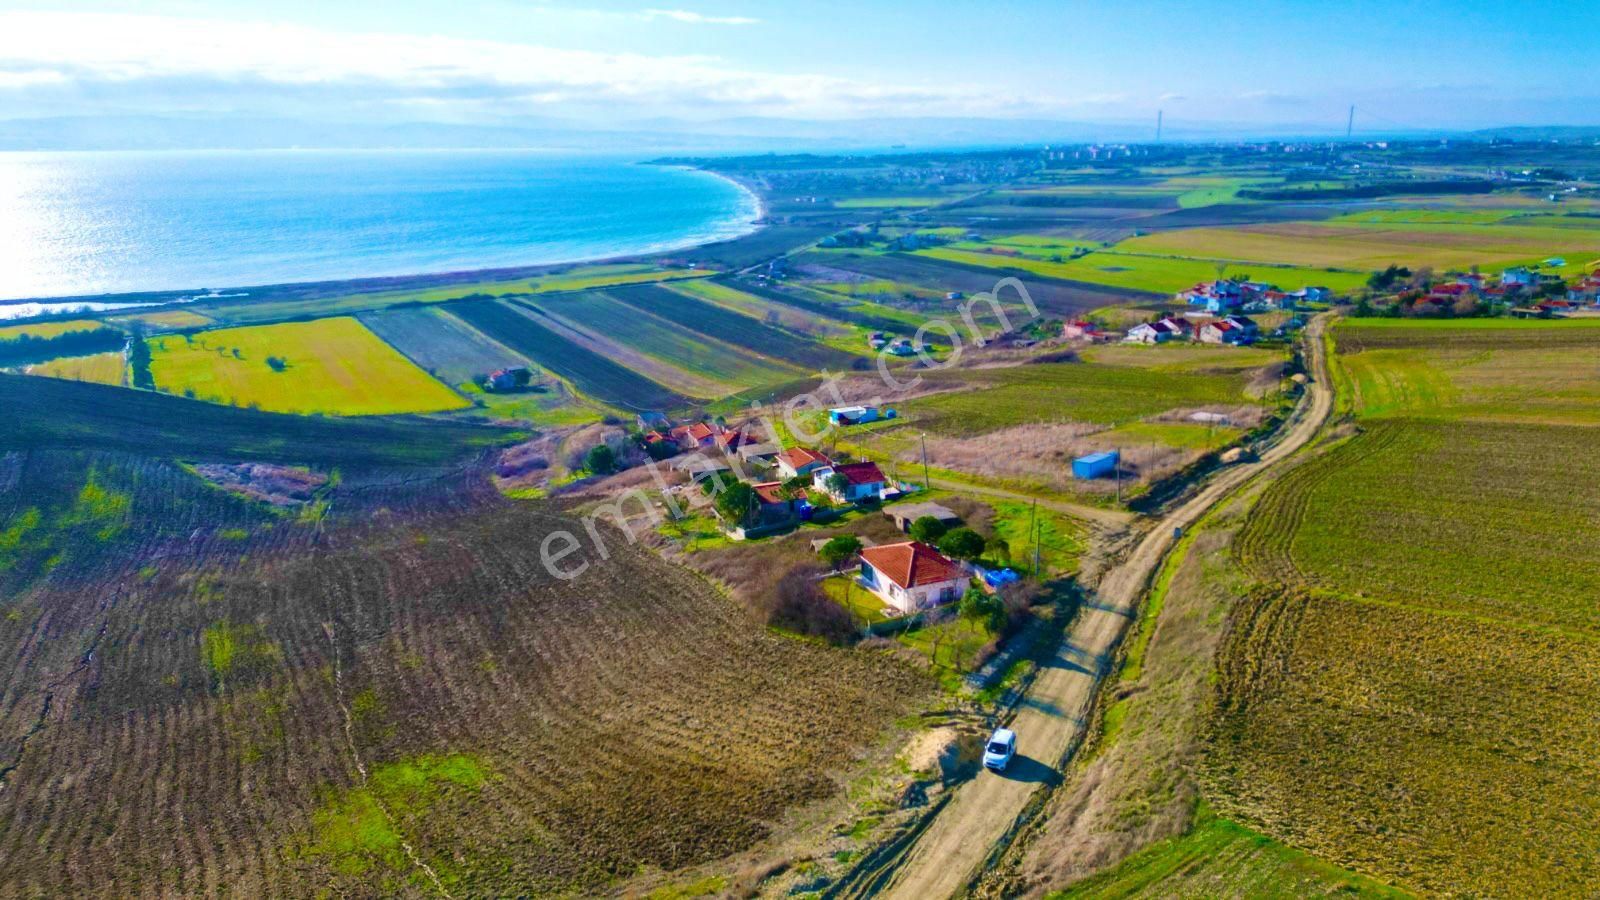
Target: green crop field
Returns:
[781, 350]
[1417, 700]
[1219, 858]
[332, 366]
[1368, 246]
[99, 368]
[1496, 369]
[887, 202]
[1152, 273]
[1100, 394]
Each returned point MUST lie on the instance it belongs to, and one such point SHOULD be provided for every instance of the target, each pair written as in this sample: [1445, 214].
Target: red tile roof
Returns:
[799, 457]
[861, 473]
[700, 431]
[912, 564]
[771, 492]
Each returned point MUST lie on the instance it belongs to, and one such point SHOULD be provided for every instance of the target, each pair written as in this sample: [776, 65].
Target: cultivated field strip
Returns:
[589, 372]
[732, 329]
[522, 735]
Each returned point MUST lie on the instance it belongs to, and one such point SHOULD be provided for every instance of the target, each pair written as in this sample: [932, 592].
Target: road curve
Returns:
[1052, 719]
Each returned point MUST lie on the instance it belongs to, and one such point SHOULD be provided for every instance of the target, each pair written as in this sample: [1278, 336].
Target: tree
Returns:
[277, 363]
[600, 460]
[928, 529]
[839, 550]
[800, 605]
[139, 360]
[736, 503]
[837, 484]
[978, 605]
[999, 550]
[962, 543]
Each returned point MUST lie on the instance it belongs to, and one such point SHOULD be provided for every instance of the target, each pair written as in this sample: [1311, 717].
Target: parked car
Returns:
[998, 752]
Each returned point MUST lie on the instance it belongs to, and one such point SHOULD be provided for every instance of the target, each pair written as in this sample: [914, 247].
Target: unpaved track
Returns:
[1052, 718]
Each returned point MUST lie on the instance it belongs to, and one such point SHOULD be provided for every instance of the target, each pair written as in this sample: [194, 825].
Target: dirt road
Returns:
[1052, 718]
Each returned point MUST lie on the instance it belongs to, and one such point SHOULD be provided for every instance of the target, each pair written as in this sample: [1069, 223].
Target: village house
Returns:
[912, 576]
[750, 452]
[797, 461]
[696, 436]
[1309, 294]
[653, 420]
[508, 379]
[1215, 296]
[728, 440]
[863, 481]
[772, 504]
[1229, 330]
[903, 514]
[1167, 329]
[1519, 276]
[1083, 329]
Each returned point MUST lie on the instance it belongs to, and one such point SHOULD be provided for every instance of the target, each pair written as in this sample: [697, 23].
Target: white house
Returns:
[862, 481]
[797, 461]
[912, 576]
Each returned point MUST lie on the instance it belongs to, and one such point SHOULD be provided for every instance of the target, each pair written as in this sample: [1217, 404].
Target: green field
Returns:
[1222, 859]
[440, 343]
[1153, 273]
[1417, 698]
[329, 366]
[887, 202]
[1368, 246]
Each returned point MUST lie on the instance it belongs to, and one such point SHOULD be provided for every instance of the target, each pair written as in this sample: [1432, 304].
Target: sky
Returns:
[1300, 64]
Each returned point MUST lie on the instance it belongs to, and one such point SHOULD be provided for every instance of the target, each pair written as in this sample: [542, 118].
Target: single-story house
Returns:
[508, 379]
[1082, 329]
[797, 461]
[699, 467]
[653, 420]
[695, 436]
[729, 441]
[862, 481]
[773, 505]
[912, 576]
[1518, 275]
[753, 452]
[1168, 329]
[903, 514]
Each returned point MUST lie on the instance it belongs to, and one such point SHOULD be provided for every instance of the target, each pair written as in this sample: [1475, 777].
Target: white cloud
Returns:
[694, 18]
[180, 59]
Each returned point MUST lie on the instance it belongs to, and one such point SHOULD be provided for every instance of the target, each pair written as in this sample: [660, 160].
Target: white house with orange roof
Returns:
[912, 575]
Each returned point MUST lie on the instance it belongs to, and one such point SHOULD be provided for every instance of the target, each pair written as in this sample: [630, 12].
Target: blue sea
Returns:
[93, 223]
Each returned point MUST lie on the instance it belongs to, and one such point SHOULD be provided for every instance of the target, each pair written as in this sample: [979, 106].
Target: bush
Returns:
[600, 460]
[962, 543]
[736, 503]
[978, 605]
[800, 605]
[928, 530]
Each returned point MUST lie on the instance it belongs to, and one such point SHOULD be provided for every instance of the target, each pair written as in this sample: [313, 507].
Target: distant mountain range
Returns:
[150, 132]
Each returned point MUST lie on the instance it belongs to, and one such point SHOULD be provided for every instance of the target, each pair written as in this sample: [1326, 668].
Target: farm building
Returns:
[700, 467]
[912, 576]
[1168, 329]
[654, 420]
[862, 481]
[857, 415]
[1096, 465]
[508, 379]
[797, 461]
[902, 515]
[1083, 330]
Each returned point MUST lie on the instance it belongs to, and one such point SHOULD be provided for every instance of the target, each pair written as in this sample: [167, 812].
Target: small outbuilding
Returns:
[1096, 465]
[903, 514]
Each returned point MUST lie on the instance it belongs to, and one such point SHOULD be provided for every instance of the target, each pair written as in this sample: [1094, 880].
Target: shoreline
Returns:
[129, 301]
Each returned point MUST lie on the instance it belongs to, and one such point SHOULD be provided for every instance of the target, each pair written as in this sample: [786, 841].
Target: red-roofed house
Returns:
[729, 441]
[912, 575]
[797, 461]
[862, 481]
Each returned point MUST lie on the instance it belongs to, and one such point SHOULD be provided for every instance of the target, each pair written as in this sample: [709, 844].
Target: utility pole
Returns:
[925, 484]
[1116, 469]
[1159, 113]
[1033, 534]
[1350, 124]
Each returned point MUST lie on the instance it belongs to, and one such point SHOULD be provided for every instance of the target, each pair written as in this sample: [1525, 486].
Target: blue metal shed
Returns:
[1095, 465]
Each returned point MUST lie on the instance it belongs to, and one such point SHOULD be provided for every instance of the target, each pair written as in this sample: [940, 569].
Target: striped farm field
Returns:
[731, 329]
[591, 373]
[1152, 273]
[440, 343]
[330, 366]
